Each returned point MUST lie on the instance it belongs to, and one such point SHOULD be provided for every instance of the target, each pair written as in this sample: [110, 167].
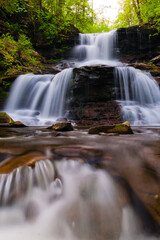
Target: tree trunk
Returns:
[136, 5]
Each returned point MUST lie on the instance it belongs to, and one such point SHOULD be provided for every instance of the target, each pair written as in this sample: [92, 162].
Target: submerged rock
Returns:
[7, 121]
[62, 126]
[123, 128]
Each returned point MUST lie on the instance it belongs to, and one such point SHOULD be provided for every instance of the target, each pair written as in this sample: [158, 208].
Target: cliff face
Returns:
[138, 44]
[93, 96]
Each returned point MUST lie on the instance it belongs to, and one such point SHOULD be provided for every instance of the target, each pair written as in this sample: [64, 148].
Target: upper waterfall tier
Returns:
[96, 48]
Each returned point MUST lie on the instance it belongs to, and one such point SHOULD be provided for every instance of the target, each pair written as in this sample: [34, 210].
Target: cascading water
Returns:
[73, 201]
[139, 96]
[45, 94]
[139, 93]
[96, 49]
[81, 204]
[42, 95]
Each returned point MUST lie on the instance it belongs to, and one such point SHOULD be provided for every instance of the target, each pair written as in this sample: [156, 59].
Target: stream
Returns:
[76, 186]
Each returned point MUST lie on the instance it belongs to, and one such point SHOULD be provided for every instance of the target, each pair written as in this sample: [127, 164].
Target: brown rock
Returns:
[12, 163]
[123, 128]
[7, 121]
[62, 126]
[5, 118]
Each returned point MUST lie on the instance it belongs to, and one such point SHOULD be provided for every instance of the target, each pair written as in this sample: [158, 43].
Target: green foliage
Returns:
[98, 26]
[138, 12]
[17, 55]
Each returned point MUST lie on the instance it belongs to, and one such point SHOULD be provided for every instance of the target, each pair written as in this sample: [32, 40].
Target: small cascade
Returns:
[96, 48]
[84, 204]
[42, 95]
[77, 208]
[22, 180]
[139, 96]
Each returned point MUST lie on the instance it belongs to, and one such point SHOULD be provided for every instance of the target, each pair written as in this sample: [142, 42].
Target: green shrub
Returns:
[17, 55]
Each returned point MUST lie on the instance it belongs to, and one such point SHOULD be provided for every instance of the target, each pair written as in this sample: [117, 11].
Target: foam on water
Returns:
[139, 96]
[35, 99]
[81, 204]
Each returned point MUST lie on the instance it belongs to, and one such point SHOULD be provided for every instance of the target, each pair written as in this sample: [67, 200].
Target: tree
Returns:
[138, 12]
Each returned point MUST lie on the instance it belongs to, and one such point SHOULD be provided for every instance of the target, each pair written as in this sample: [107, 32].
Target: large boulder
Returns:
[93, 96]
[123, 128]
[138, 43]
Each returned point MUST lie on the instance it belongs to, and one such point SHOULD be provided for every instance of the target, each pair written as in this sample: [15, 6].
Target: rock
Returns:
[8, 165]
[138, 44]
[61, 120]
[5, 118]
[93, 96]
[7, 121]
[146, 67]
[123, 128]
[156, 60]
[18, 124]
[62, 126]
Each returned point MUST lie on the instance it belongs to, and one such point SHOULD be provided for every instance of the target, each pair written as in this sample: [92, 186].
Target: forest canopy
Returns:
[138, 12]
[26, 26]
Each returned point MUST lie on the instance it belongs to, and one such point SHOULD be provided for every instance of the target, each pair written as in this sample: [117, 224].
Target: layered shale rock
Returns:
[93, 96]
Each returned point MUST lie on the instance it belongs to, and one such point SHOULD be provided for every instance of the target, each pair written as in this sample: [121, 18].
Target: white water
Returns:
[35, 99]
[41, 99]
[139, 96]
[139, 93]
[97, 48]
[82, 204]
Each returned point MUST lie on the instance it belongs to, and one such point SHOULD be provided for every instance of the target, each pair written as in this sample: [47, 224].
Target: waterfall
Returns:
[42, 95]
[82, 204]
[23, 179]
[97, 48]
[139, 96]
[41, 99]
[57, 209]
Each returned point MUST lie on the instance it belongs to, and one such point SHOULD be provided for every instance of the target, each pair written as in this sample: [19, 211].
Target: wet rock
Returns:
[93, 96]
[138, 43]
[154, 70]
[61, 120]
[17, 161]
[18, 124]
[123, 128]
[4, 156]
[62, 126]
[156, 60]
[7, 121]
[5, 118]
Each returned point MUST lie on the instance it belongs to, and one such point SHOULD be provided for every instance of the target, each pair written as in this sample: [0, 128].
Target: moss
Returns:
[118, 128]
[2, 114]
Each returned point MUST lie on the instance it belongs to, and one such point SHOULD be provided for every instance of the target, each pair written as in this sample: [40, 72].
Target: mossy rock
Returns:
[7, 121]
[5, 118]
[62, 126]
[123, 128]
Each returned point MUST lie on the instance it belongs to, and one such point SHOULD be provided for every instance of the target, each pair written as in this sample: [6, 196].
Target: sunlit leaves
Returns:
[139, 12]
